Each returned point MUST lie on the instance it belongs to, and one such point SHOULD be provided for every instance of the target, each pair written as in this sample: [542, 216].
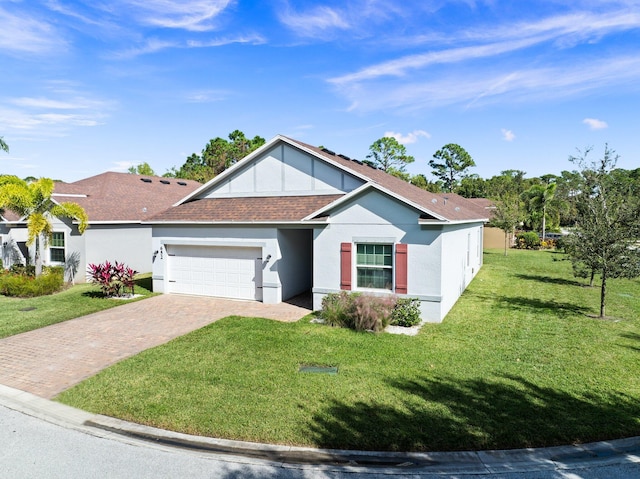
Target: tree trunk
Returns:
[506, 241]
[38, 259]
[603, 293]
[544, 222]
[593, 274]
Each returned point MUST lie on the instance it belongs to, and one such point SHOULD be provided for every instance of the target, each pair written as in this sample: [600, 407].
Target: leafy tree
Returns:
[568, 189]
[507, 215]
[3, 145]
[453, 163]
[605, 240]
[389, 155]
[218, 155]
[421, 181]
[472, 186]
[33, 201]
[508, 181]
[540, 201]
[142, 169]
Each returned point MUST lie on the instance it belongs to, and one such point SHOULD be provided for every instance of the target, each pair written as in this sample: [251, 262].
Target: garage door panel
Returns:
[231, 272]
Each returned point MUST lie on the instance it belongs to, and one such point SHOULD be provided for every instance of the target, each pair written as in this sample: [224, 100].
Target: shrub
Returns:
[366, 312]
[20, 269]
[26, 286]
[114, 279]
[372, 313]
[528, 240]
[406, 312]
[338, 309]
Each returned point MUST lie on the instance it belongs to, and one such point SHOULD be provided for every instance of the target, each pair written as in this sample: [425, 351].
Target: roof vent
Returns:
[165, 182]
[146, 180]
[371, 165]
[344, 157]
[327, 150]
[356, 161]
[182, 183]
[457, 208]
[434, 201]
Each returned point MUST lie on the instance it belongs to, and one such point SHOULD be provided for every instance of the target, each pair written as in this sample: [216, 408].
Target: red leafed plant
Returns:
[115, 279]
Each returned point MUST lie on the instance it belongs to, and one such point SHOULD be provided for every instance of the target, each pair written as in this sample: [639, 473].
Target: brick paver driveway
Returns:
[49, 360]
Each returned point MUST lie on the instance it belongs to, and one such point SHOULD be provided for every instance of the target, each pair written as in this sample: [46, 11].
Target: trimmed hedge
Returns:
[26, 286]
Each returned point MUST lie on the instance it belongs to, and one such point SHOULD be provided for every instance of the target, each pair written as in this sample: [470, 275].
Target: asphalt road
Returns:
[34, 448]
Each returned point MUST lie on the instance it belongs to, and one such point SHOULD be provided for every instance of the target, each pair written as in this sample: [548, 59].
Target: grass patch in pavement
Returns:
[18, 315]
[517, 363]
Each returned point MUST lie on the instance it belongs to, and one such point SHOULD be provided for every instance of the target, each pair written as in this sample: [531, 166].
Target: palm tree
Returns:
[540, 197]
[3, 145]
[33, 202]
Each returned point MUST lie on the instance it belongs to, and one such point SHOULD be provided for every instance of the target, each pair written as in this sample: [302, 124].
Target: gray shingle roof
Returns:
[243, 209]
[118, 197]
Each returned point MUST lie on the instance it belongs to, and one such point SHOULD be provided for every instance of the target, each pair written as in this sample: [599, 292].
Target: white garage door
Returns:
[228, 272]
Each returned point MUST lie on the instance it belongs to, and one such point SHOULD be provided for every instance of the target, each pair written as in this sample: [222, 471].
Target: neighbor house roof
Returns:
[488, 205]
[123, 197]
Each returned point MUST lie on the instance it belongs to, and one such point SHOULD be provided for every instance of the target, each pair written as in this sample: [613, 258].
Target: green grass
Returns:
[517, 363]
[18, 315]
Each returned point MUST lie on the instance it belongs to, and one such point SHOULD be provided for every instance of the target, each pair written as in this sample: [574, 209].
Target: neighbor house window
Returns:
[374, 265]
[56, 248]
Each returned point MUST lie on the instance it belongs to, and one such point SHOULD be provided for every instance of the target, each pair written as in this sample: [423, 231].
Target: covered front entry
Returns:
[224, 271]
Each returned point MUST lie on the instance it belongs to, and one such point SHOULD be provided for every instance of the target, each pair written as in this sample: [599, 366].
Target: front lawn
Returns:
[517, 363]
[18, 315]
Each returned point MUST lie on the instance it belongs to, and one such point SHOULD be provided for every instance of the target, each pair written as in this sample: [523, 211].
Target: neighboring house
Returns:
[291, 218]
[493, 237]
[116, 204]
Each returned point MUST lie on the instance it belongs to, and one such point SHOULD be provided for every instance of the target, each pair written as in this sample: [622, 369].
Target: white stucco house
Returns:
[116, 204]
[291, 218]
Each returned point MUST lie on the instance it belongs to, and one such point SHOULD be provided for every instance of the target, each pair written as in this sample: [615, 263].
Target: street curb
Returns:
[619, 451]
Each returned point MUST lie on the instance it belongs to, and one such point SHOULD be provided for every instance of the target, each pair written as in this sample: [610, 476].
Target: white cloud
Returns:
[207, 96]
[409, 138]
[315, 22]
[151, 45]
[253, 39]
[23, 34]
[595, 124]
[494, 83]
[52, 116]
[498, 40]
[192, 15]
[77, 103]
[154, 45]
[508, 135]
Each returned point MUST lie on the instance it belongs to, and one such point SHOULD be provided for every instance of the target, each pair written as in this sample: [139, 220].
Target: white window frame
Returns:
[63, 248]
[357, 266]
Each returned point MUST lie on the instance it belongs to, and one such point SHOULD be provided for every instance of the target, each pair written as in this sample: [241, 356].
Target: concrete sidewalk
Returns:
[563, 458]
[49, 360]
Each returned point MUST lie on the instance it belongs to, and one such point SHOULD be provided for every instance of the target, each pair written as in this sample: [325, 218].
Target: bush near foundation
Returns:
[368, 312]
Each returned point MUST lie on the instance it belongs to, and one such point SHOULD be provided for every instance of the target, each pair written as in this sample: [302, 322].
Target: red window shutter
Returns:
[345, 266]
[401, 268]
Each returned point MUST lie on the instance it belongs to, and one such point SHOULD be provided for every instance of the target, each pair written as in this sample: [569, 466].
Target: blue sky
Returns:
[96, 85]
